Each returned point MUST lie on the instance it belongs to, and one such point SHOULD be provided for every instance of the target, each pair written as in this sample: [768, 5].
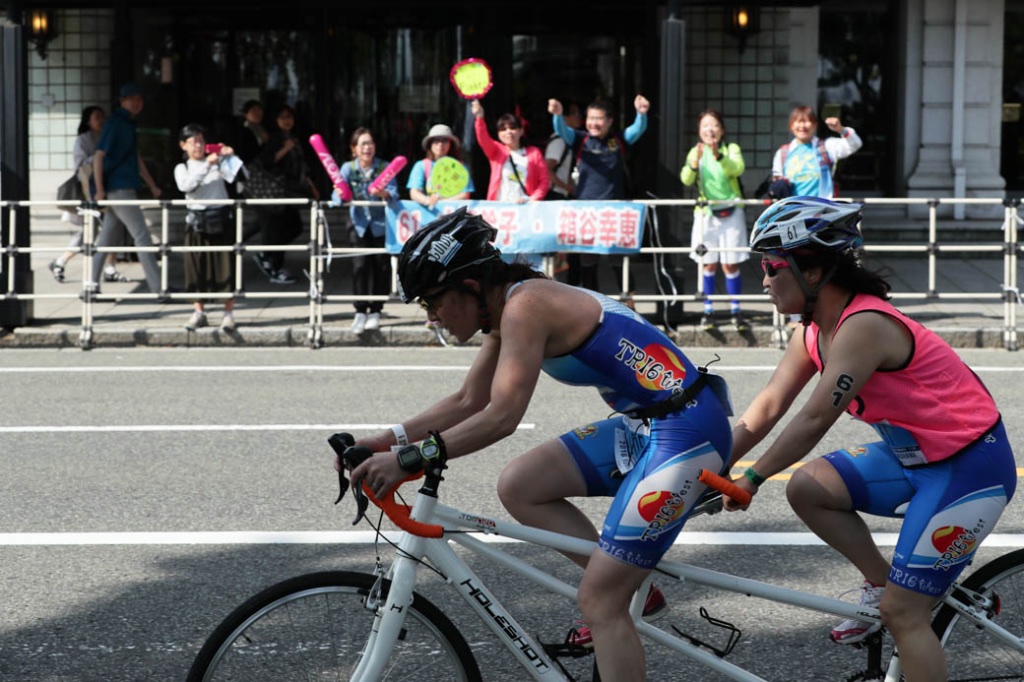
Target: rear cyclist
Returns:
[672, 421]
[943, 448]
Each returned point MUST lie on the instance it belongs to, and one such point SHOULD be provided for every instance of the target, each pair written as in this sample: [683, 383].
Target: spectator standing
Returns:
[251, 134]
[438, 143]
[371, 273]
[560, 161]
[518, 173]
[716, 167]
[804, 166]
[558, 156]
[807, 161]
[89, 129]
[117, 168]
[601, 160]
[282, 155]
[204, 176]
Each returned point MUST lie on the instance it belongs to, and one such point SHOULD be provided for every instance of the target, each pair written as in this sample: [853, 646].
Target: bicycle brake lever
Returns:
[362, 504]
[342, 484]
[353, 457]
[340, 443]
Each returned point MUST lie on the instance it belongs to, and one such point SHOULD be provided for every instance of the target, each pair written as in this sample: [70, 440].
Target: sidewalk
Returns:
[282, 321]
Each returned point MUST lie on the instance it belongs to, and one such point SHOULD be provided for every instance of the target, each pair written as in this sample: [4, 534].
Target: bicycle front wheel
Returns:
[971, 653]
[314, 627]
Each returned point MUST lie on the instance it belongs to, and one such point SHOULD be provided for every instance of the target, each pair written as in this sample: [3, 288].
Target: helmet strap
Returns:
[810, 294]
[481, 298]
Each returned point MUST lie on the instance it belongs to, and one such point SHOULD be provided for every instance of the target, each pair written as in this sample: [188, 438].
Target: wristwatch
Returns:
[432, 449]
[410, 459]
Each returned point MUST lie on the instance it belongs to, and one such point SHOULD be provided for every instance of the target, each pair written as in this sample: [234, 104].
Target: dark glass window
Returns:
[855, 79]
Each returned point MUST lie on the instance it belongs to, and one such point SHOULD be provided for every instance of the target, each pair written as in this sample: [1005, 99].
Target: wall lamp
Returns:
[40, 29]
[743, 21]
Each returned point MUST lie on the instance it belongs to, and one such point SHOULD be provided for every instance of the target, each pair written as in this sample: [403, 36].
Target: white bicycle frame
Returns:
[527, 651]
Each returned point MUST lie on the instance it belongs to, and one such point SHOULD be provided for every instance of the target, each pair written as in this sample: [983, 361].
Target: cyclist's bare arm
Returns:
[773, 401]
[454, 408]
[863, 344]
[383, 471]
[522, 344]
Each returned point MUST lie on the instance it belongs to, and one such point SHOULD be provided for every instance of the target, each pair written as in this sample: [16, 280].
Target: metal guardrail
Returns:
[321, 251]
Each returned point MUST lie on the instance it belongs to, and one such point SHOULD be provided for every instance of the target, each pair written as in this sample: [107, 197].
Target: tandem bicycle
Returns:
[339, 625]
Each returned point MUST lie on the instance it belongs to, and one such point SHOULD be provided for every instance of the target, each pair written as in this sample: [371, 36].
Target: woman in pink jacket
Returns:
[518, 174]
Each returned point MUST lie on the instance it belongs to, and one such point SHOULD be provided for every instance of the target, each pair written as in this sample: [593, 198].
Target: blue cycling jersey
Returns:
[631, 362]
[652, 474]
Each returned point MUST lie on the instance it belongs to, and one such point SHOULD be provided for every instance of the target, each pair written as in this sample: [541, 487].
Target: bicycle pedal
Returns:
[871, 642]
[565, 649]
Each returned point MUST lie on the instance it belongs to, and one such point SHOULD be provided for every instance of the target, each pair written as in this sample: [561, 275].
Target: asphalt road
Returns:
[146, 493]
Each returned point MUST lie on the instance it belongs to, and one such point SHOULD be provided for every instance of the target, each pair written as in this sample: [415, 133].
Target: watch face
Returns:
[409, 459]
[429, 450]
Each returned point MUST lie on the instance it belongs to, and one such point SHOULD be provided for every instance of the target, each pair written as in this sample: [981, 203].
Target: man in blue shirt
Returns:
[117, 169]
[601, 161]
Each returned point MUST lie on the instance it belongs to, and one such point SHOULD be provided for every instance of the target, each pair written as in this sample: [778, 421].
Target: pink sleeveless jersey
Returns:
[931, 408]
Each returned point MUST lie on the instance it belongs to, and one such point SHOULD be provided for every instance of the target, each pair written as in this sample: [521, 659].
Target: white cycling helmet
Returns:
[807, 223]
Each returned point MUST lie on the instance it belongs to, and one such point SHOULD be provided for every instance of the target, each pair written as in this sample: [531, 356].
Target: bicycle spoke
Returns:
[318, 633]
[972, 654]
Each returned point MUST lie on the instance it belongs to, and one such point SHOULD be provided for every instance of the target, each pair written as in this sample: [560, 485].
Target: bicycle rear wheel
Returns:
[971, 653]
[314, 627]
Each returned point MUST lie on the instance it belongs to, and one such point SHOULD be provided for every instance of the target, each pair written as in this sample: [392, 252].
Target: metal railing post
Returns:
[1011, 293]
[316, 283]
[319, 250]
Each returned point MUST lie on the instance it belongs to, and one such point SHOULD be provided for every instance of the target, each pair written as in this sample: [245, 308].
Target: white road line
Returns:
[139, 428]
[368, 537]
[238, 368]
[353, 368]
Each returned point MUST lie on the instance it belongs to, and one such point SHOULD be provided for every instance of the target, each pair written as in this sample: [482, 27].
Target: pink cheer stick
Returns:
[331, 167]
[393, 169]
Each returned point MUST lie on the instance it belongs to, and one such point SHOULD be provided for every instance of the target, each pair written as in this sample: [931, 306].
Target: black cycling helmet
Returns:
[440, 248]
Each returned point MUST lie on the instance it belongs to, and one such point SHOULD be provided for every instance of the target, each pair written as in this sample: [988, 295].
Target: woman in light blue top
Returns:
[370, 273]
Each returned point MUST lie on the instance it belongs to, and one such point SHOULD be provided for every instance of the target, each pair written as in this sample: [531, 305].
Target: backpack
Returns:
[552, 195]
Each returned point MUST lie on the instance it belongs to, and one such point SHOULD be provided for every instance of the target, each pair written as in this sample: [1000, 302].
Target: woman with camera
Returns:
[204, 175]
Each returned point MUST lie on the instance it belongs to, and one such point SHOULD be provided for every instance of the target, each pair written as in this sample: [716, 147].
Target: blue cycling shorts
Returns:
[654, 498]
[953, 504]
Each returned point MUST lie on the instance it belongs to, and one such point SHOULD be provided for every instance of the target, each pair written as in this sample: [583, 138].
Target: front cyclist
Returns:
[943, 448]
[672, 422]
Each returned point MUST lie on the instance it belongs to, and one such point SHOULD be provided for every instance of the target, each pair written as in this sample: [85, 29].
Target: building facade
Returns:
[924, 82]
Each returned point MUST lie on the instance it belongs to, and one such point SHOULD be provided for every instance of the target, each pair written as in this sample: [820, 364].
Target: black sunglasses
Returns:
[429, 302]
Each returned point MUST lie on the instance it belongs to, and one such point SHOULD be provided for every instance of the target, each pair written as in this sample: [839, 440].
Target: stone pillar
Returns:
[803, 60]
[14, 172]
[961, 66]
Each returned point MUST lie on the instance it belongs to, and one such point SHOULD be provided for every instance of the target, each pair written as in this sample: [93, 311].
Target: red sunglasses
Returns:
[772, 267]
